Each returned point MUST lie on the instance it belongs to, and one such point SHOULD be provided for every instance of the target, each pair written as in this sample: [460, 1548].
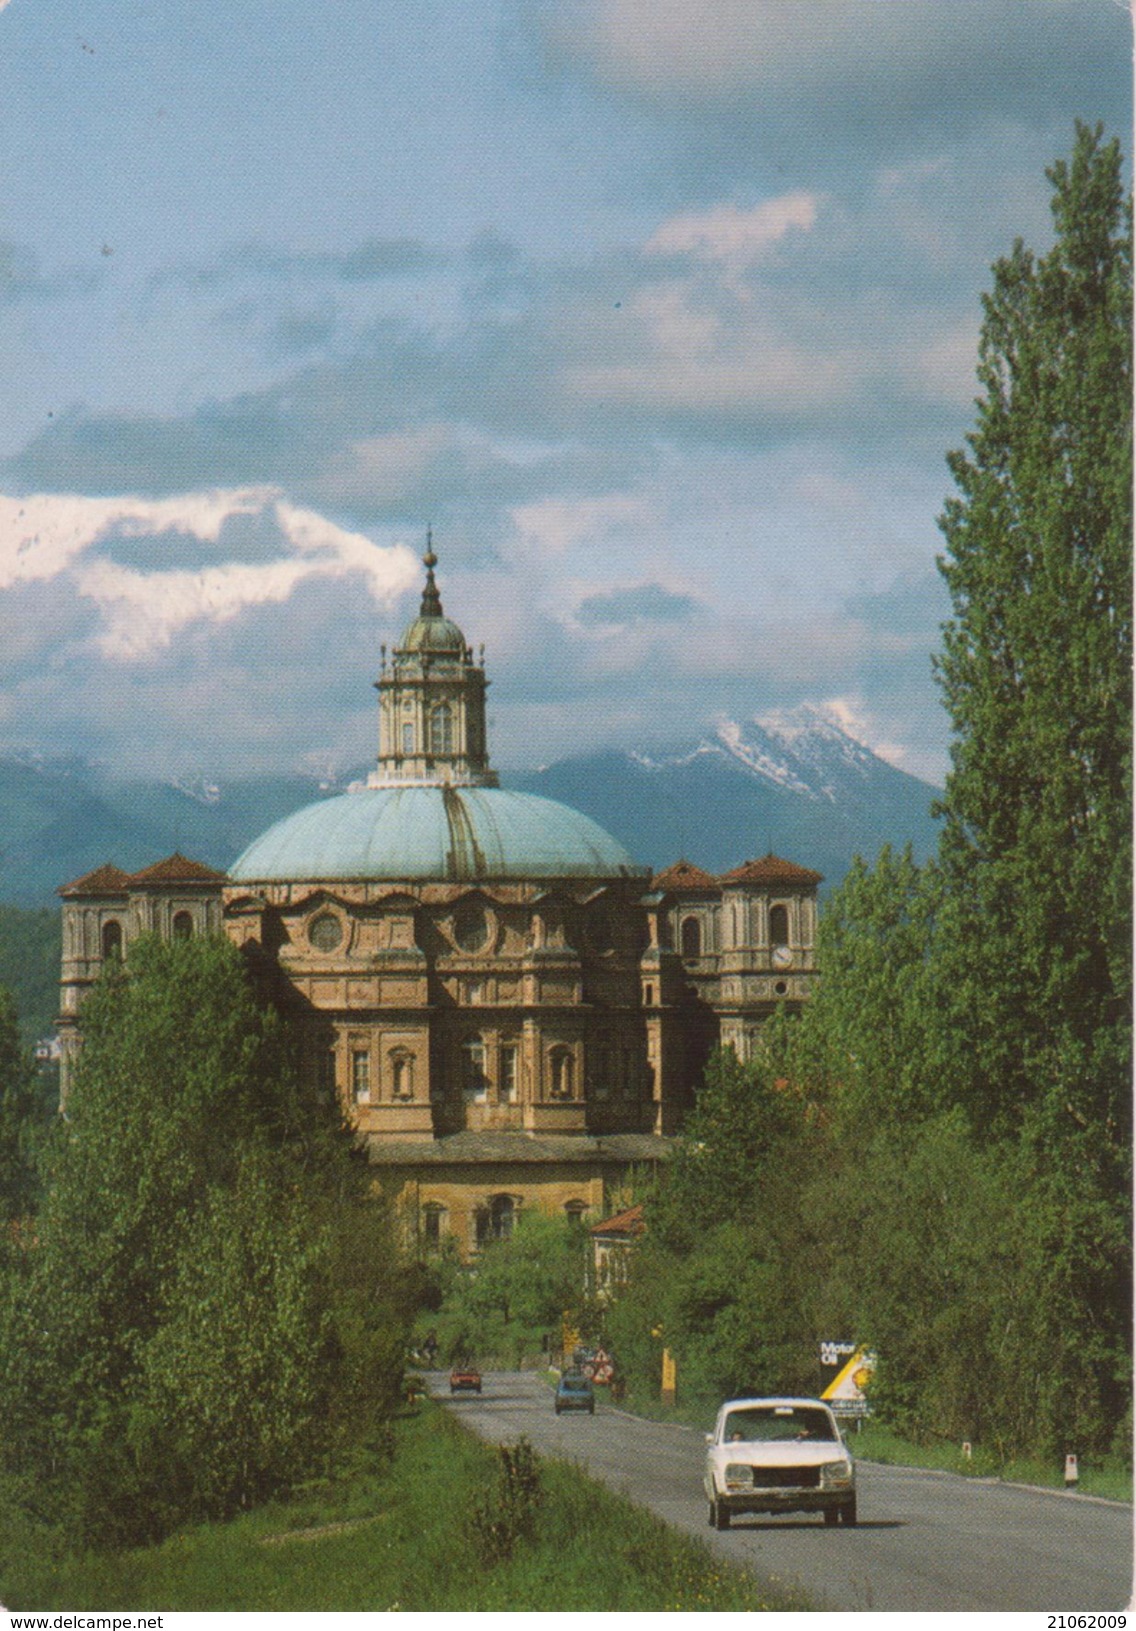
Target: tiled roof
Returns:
[177, 869]
[104, 880]
[684, 875]
[517, 1149]
[112, 880]
[623, 1223]
[772, 869]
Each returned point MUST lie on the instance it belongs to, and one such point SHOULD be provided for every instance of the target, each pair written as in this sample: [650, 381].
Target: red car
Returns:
[464, 1379]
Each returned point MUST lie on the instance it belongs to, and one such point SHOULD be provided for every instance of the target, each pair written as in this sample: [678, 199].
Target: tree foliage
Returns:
[181, 1336]
[518, 1293]
[23, 1123]
[936, 1159]
[1037, 660]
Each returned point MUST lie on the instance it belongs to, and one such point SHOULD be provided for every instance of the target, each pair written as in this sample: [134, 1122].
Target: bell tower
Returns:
[432, 702]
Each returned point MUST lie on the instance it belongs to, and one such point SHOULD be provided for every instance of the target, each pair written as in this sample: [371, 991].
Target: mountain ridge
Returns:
[798, 784]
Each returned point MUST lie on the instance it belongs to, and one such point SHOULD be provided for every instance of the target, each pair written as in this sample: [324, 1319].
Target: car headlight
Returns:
[738, 1476]
[836, 1474]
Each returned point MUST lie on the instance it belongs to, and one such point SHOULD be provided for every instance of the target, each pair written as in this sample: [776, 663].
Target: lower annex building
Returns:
[512, 1011]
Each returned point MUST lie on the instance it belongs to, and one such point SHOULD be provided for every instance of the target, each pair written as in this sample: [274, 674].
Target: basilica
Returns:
[512, 1010]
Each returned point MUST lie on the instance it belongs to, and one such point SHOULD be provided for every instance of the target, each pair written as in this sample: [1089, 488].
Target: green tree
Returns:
[22, 1118]
[181, 1336]
[1036, 669]
[875, 1042]
[519, 1291]
[726, 1273]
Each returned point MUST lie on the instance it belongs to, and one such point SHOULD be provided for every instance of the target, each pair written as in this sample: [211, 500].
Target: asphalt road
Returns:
[925, 1540]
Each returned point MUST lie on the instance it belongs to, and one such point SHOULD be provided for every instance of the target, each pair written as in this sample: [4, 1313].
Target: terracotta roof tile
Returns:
[623, 1223]
[104, 880]
[684, 875]
[772, 869]
[177, 869]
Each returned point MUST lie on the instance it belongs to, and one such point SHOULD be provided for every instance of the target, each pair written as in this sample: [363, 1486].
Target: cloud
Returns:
[150, 597]
[738, 239]
[373, 260]
[21, 278]
[869, 68]
[645, 603]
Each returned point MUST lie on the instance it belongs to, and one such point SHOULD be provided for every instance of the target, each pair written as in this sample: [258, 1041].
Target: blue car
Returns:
[574, 1391]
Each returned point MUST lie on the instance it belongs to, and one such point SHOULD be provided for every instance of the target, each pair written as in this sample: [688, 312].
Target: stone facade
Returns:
[513, 1019]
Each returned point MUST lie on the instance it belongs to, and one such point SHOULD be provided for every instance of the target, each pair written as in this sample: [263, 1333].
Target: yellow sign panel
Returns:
[851, 1381]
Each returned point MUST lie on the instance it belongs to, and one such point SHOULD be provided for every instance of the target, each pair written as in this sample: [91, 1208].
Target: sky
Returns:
[661, 313]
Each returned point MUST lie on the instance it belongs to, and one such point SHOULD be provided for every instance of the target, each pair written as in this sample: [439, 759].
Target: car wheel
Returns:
[713, 1517]
[848, 1515]
[721, 1517]
[831, 1517]
[591, 1410]
[558, 1410]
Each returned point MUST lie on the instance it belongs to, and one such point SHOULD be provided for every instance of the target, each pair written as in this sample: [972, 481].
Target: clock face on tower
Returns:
[782, 957]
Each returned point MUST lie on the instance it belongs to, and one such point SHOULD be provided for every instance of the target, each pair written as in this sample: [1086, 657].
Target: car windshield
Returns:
[575, 1384]
[777, 1424]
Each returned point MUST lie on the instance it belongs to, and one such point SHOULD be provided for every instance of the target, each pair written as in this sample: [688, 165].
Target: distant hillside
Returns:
[797, 785]
[58, 821]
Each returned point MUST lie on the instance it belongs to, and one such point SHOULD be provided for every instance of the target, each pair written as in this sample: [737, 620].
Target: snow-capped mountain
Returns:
[796, 783]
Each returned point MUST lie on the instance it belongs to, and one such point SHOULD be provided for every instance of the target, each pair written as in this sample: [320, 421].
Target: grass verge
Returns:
[397, 1535]
[876, 1442]
[1111, 1480]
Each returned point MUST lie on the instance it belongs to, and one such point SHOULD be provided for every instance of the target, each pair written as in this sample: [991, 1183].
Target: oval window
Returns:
[471, 928]
[326, 932]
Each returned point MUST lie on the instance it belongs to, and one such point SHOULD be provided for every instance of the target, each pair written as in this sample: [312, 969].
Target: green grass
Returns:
[876, 1442]
[1110, 1479]
[396, 1535]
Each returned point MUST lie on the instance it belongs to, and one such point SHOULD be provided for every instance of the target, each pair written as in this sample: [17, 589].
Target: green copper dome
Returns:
[434, 833]
[434, 634]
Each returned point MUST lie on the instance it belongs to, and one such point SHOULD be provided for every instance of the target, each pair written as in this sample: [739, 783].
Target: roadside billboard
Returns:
[847, 1373]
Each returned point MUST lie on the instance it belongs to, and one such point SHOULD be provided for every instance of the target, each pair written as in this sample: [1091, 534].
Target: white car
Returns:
[778, 1455]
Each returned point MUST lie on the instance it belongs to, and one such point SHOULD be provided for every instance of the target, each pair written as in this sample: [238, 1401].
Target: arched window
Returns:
[182, 926]
[433, 1225]
[503, 1212]
[112, 938]
[495, 1221]
[691, 937]
[402, 1075]
[779, 926]
[562, 1067]
[475, 1083]
[442, 729]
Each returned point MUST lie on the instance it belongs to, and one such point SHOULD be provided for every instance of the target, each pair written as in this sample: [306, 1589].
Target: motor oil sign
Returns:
[846, 1390]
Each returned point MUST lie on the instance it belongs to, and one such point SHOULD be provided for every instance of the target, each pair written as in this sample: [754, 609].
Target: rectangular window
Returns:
[509, 1074]
[408, 738]
[361, 1075]
[475, 1084]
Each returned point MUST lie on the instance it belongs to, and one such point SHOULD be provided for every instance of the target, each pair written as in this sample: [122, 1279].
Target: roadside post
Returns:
[669, 1388]
[1070, 1472]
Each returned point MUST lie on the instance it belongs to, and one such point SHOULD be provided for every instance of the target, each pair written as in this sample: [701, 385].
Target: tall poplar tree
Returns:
[1036, 674]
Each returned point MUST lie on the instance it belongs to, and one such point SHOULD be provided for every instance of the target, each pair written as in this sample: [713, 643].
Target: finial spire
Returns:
[431, 600]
